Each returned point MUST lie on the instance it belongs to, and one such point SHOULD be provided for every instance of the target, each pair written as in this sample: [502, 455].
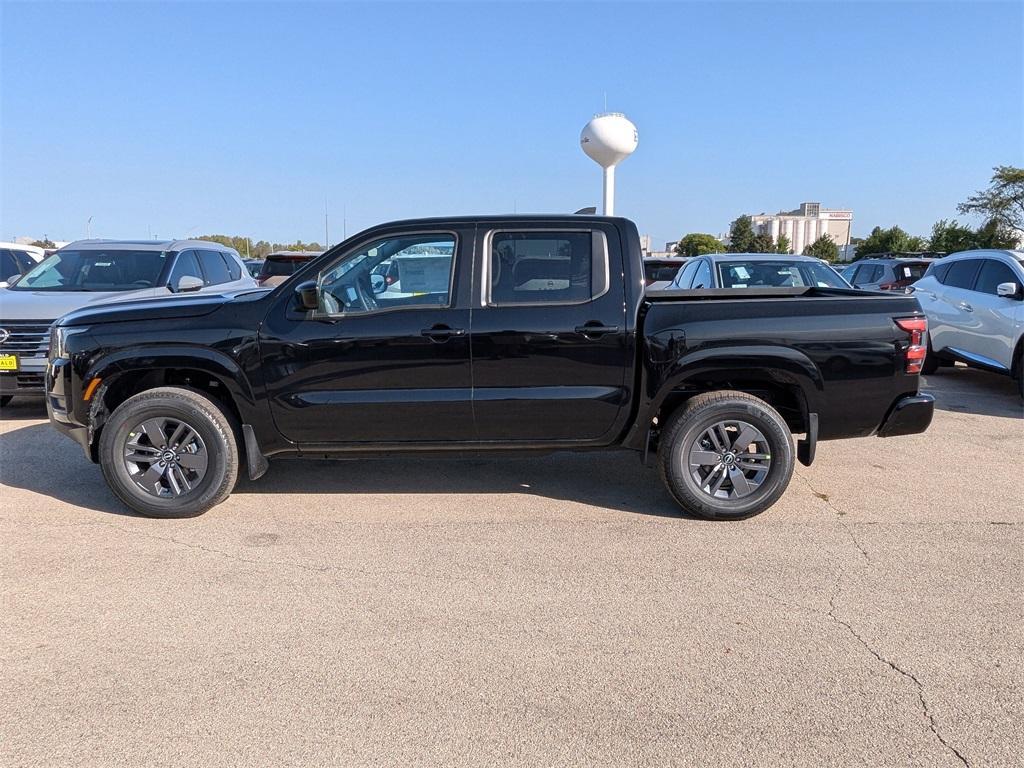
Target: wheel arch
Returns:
[206, 371]
[785, 378]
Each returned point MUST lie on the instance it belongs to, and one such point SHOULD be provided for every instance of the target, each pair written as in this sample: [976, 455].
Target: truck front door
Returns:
[377, 362]
[549, 338]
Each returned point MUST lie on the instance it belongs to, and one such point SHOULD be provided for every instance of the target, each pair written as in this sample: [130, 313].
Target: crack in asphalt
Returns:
[839, 515]
[932, 725]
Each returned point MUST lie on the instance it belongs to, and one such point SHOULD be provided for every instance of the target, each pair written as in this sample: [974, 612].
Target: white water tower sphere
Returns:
[609, 139]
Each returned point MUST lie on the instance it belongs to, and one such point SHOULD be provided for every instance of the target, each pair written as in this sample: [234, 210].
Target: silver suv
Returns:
[91, 272]
[975, 306]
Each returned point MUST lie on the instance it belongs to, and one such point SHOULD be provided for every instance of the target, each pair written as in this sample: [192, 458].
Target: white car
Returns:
[91, 272]
[975, 306]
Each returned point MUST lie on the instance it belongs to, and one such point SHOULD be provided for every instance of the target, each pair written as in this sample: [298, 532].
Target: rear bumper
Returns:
[910, 415]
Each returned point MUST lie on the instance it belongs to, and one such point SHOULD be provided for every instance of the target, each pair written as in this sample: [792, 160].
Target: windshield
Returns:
[778, 274]
[96, 270]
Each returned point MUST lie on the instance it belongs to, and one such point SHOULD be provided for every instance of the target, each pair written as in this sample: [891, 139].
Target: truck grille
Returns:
[26, 338]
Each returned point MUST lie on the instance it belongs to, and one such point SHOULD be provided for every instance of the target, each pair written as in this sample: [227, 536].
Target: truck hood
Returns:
[172, 307]
[49, 305]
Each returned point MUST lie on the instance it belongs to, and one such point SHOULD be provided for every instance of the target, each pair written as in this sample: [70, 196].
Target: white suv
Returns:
[975, 306]
[91, 272]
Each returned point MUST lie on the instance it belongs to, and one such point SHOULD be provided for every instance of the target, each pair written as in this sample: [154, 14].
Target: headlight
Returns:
[59, 340]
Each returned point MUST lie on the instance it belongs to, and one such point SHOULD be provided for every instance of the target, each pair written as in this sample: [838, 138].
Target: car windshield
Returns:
[778, 274]
[96, 270]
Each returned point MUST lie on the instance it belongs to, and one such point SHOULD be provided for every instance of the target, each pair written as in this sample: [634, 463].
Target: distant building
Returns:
[646, 241]
[806, 224]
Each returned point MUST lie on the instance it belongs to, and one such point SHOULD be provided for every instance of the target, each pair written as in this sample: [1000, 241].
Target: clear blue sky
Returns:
[240, 118]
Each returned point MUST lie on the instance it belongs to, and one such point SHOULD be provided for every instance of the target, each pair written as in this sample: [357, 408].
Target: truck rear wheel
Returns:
[169, 452]
[726, 455]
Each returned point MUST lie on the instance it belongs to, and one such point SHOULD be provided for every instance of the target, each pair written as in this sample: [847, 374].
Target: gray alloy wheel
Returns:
[165, 457]
[729, 460]
[170, 452]
[725, 455]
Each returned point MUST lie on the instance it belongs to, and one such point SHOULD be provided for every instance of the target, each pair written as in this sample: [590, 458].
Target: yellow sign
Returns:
[8, 362]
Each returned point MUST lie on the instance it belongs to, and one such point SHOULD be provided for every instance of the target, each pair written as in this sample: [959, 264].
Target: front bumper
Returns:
[909, 415]
[29, 379]
[59, 406]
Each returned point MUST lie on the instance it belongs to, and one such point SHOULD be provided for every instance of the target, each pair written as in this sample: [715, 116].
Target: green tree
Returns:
[995, 234]
[1002, 202]
[951, 236]
[783, 245]
[699, 243]
[889, 240]
[823, 248]
[741, 236]
[762, 243]
[44, 243]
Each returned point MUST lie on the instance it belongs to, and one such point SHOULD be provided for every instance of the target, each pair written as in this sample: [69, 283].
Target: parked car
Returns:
[14, 263]
[886, 274]
[756, 270]
[975, 306]
[90, 272]
[34, 252]
[537, 335]
[255, 266]
[278, 266]
[662, 269]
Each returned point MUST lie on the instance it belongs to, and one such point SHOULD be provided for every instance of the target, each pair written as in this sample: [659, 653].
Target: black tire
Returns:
[217, 435]
[685, 429]
[1020, 373]
[4, 400]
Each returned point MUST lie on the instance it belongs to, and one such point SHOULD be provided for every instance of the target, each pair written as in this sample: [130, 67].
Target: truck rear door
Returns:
[549, 343]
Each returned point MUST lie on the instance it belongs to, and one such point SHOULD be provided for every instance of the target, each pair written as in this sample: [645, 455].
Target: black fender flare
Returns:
[109, 368]
[774, 365]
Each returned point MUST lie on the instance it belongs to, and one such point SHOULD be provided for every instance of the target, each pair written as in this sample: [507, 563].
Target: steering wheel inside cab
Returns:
[354, 293]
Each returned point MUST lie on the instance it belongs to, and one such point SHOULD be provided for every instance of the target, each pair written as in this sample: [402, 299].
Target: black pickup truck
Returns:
[484, 334]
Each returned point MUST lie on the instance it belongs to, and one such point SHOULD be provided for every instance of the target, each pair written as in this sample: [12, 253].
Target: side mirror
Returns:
[12, 280]
[308, 294]
[1008, 290]
[187, 284]
[378, 284]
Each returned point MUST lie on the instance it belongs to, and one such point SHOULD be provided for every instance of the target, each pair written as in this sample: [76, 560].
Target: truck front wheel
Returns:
[169, 452]
[726, 455]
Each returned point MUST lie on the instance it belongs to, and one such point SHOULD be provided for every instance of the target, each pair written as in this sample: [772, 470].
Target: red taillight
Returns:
[917, 327]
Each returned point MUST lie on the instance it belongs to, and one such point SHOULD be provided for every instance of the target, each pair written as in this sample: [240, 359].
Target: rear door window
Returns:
[992, 274]
[703, 277]
[234, 270]
[8, 265]
[961, 273]
[546, 268]
[215, 271]
[684, 278]
[868, 274]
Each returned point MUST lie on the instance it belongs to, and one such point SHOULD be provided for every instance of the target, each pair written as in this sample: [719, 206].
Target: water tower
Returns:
[609, 139]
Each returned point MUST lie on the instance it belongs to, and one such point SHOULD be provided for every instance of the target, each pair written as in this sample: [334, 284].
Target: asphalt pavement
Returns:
[496, 611]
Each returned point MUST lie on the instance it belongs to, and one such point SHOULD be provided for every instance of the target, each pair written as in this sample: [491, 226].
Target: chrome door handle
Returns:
[965, 306]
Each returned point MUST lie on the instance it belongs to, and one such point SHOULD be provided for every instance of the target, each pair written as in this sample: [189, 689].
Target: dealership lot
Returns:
[540, 610]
